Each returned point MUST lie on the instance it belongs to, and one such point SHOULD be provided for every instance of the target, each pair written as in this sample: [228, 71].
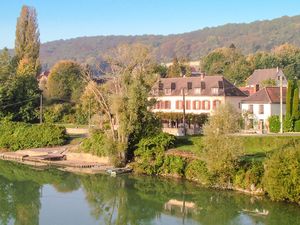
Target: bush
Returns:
[249, 174]
[297, 126]
[149, 155]
[15, 136]
[274, 123]
[197, 171]
[282, 175]
[173, 165]
[288, 124]
[99, 144]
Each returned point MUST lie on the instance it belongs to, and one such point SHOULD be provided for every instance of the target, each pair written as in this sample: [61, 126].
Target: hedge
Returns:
[274, 123]
[297, 126]
[15, 136]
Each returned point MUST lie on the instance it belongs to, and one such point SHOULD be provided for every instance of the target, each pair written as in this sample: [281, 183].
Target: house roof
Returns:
[267, 95]
[205, 83]
[262, 74]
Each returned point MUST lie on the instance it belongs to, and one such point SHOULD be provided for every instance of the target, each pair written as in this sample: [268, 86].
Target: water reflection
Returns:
[25, 199]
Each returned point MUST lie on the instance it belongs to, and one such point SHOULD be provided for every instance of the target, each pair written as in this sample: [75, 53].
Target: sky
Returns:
[64, 19]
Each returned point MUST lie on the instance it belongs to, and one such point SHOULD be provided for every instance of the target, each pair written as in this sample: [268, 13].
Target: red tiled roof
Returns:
[206, 83]
[266, 95]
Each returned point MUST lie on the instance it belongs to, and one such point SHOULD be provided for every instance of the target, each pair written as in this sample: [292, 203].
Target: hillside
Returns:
[252, 37]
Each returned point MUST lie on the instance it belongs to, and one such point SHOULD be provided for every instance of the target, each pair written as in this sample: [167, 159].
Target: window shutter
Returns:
[177, 105]
[208, 104]
[194, 104]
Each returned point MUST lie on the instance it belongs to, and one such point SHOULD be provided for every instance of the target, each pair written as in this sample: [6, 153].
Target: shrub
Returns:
[149, 155]
[197, 171]
[288, 124]
[173, 165]
[297, 126]
[249, 174]
[282, 174]
[15, 136]
[99, 144]
[274, 123]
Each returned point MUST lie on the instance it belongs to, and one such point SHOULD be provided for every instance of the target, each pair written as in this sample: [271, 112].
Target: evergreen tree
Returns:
[289, 99]
[27, 43]
[295, 110]
[174, 70]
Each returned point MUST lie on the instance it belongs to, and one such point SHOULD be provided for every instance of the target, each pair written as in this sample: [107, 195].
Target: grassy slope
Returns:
[255, 146]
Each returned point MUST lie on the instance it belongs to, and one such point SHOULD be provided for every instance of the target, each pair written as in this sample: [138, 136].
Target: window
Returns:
[189, 85]
[161, 86]
[250, 108]
[179, 104]
[173, 86]
[214, 91]
[206, 105]
[220, 84]
[197, 90]
[167, 91]
[188, 105]
[216, 104]
[261, 109]
[202, 85]
[197, 105]
[167, 105]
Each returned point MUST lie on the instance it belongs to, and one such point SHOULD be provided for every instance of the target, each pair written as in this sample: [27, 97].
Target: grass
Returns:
[256, 147]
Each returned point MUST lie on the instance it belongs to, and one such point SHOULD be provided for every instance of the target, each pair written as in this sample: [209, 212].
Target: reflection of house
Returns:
[260, 76]
[185, 207]
[258, 107]
[195, 95]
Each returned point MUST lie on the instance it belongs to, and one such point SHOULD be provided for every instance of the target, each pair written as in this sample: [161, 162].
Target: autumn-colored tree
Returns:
[65, 81]
[27, 43]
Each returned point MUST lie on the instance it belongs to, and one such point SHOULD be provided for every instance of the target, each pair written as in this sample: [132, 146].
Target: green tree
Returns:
[19, 98]
[295, 110]
[6, 68]
[124, 99]
[27, 43]
[289, 99]
[222, 150]
[268, 83]
[65, 81]
[174, 70]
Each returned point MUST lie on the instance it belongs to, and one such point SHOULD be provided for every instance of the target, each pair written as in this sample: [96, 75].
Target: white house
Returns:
[194, 95]
[258, 107]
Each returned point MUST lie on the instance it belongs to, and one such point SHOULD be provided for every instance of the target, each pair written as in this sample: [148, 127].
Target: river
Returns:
[30, 197]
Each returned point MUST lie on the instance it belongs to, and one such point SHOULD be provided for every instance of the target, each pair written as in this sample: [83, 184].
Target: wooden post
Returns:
[183, 119]
[41, 109]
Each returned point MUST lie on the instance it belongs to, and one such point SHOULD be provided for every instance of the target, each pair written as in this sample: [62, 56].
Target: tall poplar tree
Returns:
[27, 43]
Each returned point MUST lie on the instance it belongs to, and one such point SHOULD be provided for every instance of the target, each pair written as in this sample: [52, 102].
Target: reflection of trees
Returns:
[20, 191]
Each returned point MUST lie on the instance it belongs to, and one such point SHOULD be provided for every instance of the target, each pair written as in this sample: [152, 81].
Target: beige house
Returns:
[194, 95]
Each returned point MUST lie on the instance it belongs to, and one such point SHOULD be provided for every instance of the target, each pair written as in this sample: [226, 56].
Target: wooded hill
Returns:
[252, 37]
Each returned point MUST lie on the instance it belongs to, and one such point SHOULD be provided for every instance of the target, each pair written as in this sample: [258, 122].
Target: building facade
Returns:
[193, 95]
[257, 108]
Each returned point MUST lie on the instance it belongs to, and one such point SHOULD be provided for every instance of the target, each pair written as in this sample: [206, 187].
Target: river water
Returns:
[52, 197]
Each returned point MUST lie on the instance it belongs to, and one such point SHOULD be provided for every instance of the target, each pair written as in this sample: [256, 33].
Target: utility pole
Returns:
[41, 108]
[281, 105]
[89, 113]
[183, 118]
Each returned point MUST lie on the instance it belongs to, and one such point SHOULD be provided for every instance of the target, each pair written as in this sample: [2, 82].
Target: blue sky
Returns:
[63, 19]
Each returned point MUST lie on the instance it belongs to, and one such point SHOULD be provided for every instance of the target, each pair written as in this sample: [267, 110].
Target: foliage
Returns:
[249, 175]
[250, 38]
[268, 83]
[296, 108]
[19, 98]
[161, 70]
[274, 123]
[197, 171]
[221, 150]
[59, 113]
[173, 165]
[27, 44]
[297, 126]
[149, 155]
[179, 68]
[282, 174]
[289, 99]
[98, 144]
[65, 81]
[15, 136]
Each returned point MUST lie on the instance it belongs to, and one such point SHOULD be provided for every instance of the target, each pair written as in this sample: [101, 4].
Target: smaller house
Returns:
[256, 81]
[258, 107]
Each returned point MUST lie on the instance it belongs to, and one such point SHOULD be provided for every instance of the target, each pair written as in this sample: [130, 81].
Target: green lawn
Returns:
[255, 146]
